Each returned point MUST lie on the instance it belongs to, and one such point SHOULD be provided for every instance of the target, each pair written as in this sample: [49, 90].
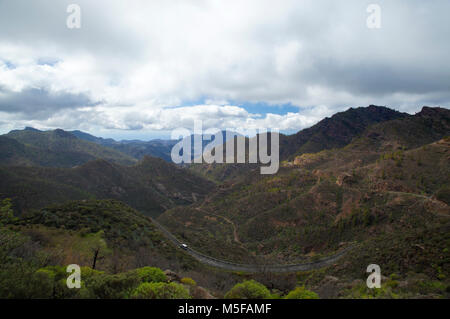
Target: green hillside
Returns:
[330, 133]
[117, 248]
[56, 148]
[316, 191]
[386, 192]
[370, 179]
[134, 148]
[151, 186]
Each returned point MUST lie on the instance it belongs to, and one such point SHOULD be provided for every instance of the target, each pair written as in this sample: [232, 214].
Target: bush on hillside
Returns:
[151, 274]
[160, 290]
[188, 281]
[301, 293]
[113, 286]
[249, 289]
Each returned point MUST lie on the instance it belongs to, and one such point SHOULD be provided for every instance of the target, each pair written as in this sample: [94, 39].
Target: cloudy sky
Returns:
[138, 69]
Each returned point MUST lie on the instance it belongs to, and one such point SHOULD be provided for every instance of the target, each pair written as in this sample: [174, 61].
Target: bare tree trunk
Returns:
[95, 258]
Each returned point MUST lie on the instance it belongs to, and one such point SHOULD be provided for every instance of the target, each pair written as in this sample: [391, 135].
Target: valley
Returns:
[368, 185]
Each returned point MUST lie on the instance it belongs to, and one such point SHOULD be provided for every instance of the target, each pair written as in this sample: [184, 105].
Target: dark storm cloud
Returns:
[40, 103]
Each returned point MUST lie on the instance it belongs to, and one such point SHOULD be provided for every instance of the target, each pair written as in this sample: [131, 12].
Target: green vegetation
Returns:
[50, 283]
[372, 192]
[301, 293]
[106, 235]
[151, 274]
[249, 289]
[372, 178]
[118, 286]
[160, 290]
[6, 212]
[151, 186]
[188, 281]
[54, 149]
[113, 219]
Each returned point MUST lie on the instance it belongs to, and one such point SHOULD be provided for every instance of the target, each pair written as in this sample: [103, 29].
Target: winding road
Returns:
[254, 268]
[327, 261]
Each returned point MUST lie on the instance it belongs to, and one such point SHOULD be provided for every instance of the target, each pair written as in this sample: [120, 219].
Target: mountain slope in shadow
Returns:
[56, 148]
[151, 186]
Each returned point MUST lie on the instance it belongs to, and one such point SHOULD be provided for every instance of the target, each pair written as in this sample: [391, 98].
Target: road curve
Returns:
[327, 261]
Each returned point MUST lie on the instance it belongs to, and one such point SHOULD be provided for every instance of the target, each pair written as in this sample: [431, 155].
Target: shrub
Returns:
[45, 278]
[249, 289]
[6, 211]
[50, 282]
[301, 293]
[392, 283]
[394, 276]
[188, 281]
[160, 290]
[151, 274]
[113, 286]
[88, 272]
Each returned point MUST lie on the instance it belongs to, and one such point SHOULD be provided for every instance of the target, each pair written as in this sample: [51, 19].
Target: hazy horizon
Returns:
[143, 136]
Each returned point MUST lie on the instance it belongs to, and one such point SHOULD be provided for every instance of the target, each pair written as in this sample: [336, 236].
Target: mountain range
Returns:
[321, 187]
[56, 148]
[369, 179]
[59, 148]
[151, 186]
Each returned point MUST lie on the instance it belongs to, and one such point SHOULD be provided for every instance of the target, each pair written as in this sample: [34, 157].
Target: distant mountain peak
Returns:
[63, 134]
[430, 111]
[336, 131]
[59, 148]
[29, 128]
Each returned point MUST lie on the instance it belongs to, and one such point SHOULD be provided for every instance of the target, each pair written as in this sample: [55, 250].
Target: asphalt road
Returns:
[327, 261]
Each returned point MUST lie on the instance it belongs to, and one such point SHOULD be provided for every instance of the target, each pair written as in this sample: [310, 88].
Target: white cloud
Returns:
[166, 119]
[141, 61]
